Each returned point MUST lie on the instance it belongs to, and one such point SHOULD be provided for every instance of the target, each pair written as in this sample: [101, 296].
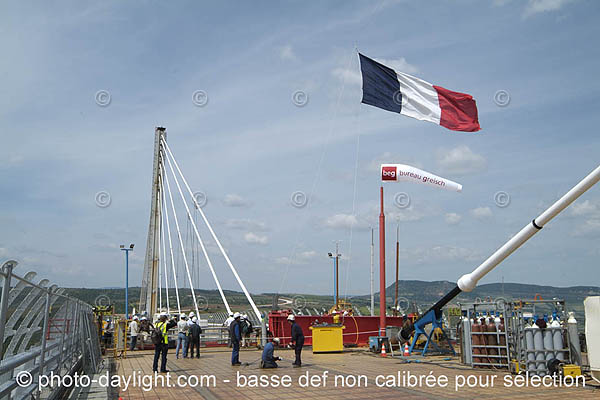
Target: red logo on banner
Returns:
[388, 173]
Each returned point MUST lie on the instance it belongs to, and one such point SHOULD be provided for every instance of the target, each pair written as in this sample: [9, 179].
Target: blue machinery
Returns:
[434, 317]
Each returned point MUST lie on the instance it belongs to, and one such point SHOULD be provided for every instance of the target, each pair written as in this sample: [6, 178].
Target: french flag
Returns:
[407, 95]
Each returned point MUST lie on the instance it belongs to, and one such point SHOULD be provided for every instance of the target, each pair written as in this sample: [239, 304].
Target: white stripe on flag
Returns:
[419, 99]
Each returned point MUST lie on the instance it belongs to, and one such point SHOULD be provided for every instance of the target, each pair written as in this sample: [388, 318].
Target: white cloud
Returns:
[12, 160]
[423, 255]
[235, 200]
[301, 258]
[399, 64]
[588, 228]
[346, 221]
[246, 224]
[452, 218]
[481, 212]
[353, 75]
[585, 209]
[405, 214]
[253, 238]
[287, 53]
[341, 221]
[389, 158]
[349, 76]
[540, 6]
[591, 211]
[460, 161]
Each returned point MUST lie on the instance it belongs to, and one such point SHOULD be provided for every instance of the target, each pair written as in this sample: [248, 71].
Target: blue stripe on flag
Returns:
[381, 87]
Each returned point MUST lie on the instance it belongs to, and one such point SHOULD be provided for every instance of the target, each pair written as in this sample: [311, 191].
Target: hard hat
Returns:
[291, 317]
[231, 314]
[236, 315]
[135, 317]
[191, 314]
[276, 340]
[334, 312]
[183, 315]
[245, 316]
[163, 314]
[143, 318]
[194, 319]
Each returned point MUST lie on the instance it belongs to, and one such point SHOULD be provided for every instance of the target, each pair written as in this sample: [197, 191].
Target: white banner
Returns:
[406, 173]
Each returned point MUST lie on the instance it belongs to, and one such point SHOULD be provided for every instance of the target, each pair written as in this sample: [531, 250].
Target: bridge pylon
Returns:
[150, 277]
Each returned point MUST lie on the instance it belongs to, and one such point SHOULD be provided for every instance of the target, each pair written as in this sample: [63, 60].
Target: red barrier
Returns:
[357, 329]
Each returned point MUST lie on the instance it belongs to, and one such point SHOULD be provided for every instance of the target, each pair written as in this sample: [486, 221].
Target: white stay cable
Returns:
[169, 236]
[212, 270]
[187, 268]
[160, 272]
[164, 251]
[212, 232]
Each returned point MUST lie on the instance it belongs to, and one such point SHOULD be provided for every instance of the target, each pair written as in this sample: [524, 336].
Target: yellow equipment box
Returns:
[327, 338]
[571, 369]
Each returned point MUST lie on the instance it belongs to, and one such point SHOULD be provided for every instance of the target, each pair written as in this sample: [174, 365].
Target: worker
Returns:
[144, 330]
[246, 326]
[182, 338]
[133, 331]
[161, 344]
[268, 359]
[229, 320]
[191, 316]
[107, 332]
[297, 339]
[336, 317]
[194, 334]
[235, 333]
[227, 323]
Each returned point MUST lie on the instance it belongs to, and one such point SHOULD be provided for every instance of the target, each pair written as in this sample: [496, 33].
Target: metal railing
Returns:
[42, 331]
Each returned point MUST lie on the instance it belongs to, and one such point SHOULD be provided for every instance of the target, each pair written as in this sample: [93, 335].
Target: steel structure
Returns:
[166, 170]
[42, 330]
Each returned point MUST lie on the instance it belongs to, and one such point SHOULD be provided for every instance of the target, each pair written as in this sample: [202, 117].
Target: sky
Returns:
[276, 119]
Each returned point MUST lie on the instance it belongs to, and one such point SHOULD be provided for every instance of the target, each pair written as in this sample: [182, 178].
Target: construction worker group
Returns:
[188, 338]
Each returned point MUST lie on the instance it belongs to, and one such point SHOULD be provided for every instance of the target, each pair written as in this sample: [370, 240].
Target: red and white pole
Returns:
[382, 319]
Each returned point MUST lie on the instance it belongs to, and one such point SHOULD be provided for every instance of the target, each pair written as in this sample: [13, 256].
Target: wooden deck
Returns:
[217, 379]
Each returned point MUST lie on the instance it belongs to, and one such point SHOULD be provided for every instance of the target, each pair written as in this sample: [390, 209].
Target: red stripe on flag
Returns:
[459, 110]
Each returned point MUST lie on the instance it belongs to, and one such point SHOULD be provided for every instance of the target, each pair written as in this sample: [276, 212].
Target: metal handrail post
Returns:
[73, 318]
[7, 268]
[44, 340]
[62, 339]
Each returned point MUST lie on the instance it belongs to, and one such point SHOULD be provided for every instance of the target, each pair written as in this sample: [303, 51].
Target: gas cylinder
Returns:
[492, 341]
[538, 343]
[502, 342]
[476, 341]
[530, 346]
[465, 343]
[483, 339]
[557, 338]
[574, 339]
[548, 343]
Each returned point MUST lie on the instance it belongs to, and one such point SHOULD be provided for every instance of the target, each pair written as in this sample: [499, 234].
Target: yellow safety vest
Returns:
[163, 329]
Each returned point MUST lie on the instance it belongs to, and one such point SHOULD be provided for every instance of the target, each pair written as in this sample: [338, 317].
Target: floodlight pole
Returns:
[127, 280]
